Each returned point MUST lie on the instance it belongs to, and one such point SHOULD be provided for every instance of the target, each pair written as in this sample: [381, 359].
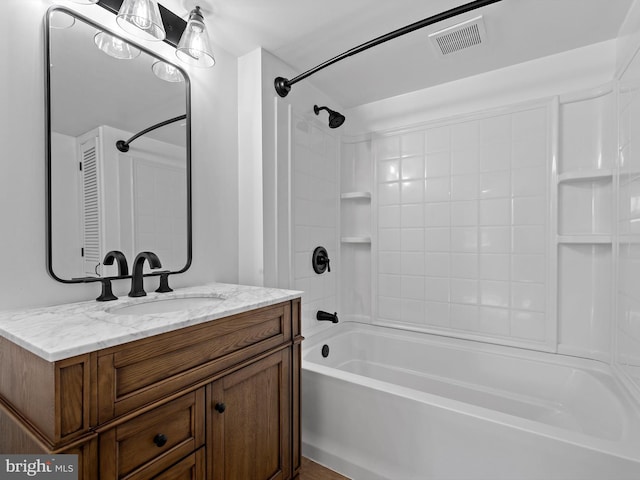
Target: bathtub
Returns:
[386, 404]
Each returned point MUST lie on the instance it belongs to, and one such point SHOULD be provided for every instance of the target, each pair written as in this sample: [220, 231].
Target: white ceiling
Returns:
[305, 33]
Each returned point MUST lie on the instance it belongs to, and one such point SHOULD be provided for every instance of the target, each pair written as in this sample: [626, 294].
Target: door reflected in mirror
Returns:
[101, 90]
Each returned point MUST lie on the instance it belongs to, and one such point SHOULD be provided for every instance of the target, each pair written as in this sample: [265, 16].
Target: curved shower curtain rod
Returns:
[123, 145]
[283, 85]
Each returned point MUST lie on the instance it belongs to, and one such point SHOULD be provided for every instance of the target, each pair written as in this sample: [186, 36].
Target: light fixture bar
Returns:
[283, 86]
[173, 24]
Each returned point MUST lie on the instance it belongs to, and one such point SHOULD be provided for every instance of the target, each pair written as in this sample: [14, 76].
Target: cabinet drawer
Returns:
[141, 372]
[149, 443]
[190, 468]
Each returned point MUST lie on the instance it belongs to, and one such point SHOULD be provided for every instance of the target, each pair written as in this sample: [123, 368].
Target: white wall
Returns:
[24, 281]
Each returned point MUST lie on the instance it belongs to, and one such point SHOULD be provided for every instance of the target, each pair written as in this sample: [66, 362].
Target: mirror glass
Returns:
[100, 198]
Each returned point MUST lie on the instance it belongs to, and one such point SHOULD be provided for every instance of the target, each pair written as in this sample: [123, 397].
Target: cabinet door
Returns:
[249, 417]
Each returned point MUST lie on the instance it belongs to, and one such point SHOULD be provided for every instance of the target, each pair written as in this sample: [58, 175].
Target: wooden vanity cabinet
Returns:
[219, 400]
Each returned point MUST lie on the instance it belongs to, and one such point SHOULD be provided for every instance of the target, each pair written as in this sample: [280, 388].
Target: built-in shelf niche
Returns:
[585, 206]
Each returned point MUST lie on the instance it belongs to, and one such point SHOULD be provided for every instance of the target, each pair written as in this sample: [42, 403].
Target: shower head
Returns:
[335, 119]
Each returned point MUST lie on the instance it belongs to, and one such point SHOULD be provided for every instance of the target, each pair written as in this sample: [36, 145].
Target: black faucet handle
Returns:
[164, 283]
[106, 294]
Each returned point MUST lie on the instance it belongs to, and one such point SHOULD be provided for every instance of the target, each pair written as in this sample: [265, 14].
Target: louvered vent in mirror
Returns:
[458, 37]
[90, 209]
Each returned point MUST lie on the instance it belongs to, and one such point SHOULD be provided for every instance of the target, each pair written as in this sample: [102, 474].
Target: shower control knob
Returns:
[320, 260]
[220, 407]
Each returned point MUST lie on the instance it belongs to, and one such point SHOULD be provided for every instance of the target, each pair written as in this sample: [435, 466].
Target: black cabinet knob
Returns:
[160, 440]
[220, 407]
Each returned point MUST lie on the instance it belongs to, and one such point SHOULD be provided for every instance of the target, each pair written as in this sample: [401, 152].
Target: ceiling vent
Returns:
[459, 37]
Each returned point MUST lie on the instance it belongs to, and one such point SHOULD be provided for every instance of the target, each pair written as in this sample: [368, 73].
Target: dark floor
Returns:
[314, 471]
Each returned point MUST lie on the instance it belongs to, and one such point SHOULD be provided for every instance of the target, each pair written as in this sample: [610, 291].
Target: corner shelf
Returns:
[586, 239]
[355, 195]
[586, 175]
[356, 239]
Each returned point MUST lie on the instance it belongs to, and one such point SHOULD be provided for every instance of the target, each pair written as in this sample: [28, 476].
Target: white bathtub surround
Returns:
[62, 331]
[422, 406]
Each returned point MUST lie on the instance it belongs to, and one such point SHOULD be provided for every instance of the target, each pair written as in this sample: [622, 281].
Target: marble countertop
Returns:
[62, 331]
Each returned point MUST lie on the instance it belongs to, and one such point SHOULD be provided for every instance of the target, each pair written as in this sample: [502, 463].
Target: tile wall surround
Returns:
[315, 216]
[462, 225]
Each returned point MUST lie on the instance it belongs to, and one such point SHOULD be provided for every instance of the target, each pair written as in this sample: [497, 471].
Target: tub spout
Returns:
[326, 316]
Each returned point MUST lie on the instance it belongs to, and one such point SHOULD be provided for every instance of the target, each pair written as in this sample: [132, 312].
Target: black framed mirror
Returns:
[102, 90]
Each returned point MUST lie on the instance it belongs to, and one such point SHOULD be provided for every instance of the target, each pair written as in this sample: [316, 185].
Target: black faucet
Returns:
[123, 271]
[118, 256]
[137, 285]
[327, 317]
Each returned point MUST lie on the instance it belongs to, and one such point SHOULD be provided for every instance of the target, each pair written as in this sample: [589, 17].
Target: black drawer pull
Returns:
[160, 440]
[220, 407]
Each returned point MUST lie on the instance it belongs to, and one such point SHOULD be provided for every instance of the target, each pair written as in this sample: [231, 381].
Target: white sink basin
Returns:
[165, 305]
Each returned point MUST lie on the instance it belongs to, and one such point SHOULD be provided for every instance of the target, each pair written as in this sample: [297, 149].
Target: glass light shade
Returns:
[115, 47]
[193, 47]
[167, 72]
[142, 19]
[61, 20]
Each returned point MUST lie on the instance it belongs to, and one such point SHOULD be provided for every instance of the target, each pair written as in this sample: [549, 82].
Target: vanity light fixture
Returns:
[194, 47]
[167, 72]
[115, 47]
[60, 21]
[142, 19]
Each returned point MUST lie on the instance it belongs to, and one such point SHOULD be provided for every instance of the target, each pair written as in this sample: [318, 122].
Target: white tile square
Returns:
[528, 268]
[390, 308]
[437, 189]
[389, 216]
[463, 290]
[412, 191]
[438, 139]
[412, 144]
[529, 181]
[495, 184]
[389, 239]
[495, 129]
[464, 187]
[529, 153]
[437, 239]
[494, 293]
[412, 263]
[438, 164]
[437, 314]
[389, 171]
[412, 216]
[494, 266]
[389, 193]
[464, 161]
[464, 265]
[412, 240]
[529, 211]
[495, 211]
[494, 321]
[413, 287]
[495, 157]
[437, 264]
[465, 135]
[495, 239]
[528, 296]
[464, 239]
[529, 124]
[464, 213]
[464, 317]
[413, 168]
[388, 147]
[389, 262]
[528, 325]
[437, 215]
[436, 289]
[412, 311]
[529, 239]
[390, 285]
